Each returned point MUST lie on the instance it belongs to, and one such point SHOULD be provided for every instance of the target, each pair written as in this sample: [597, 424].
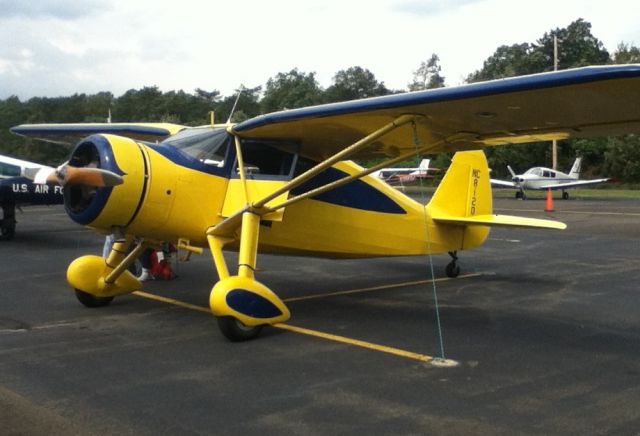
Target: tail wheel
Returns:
[235, 331]
[452, 269]
[90, 300]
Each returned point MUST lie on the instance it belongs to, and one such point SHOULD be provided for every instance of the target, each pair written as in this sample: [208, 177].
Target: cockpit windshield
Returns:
[206, 144]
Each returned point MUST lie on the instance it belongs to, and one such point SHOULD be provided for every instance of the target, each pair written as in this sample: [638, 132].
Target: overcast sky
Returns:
[61, 47]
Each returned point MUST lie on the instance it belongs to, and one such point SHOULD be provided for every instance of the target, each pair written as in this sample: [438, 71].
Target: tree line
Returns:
[617, 157]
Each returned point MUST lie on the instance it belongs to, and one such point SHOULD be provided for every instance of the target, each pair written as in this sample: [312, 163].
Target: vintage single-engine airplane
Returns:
[18, 188]
[405, 175]
[542, 178]
[281, 182]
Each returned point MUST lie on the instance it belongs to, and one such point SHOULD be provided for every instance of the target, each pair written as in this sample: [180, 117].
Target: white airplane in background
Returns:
[541, 178]
[400, 175]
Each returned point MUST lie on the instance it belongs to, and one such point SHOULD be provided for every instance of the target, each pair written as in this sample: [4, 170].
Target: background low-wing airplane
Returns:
[281, 182]
[541, 178]
[16, 190]
[402, 175]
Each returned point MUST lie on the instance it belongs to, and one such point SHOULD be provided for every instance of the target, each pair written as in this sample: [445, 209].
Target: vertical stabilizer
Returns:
[465, 189]
[575, 169]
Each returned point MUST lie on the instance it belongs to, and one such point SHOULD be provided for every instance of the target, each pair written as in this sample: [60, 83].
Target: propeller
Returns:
[66, 174]
[514, 177]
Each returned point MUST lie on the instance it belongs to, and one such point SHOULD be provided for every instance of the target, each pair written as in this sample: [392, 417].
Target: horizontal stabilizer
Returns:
[501, 220]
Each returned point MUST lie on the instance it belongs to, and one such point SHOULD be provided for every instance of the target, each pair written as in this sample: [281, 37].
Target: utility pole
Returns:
[554, 146]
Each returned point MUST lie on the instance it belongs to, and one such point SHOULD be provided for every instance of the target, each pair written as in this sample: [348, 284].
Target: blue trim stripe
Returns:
[356, 194]
[99, 201]
[69, 129]
[183, 159]
[482, 89]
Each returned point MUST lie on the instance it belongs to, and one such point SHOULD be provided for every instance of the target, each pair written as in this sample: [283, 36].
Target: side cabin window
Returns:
[548, 174]
[9, 170]
[535, 172]
[267, 159]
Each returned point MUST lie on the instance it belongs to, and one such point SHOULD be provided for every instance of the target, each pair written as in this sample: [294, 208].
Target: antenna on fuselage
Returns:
[233, 109]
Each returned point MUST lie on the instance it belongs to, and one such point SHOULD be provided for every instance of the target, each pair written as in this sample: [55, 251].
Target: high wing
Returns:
[574, 184]
[72, 133]
[582, 102]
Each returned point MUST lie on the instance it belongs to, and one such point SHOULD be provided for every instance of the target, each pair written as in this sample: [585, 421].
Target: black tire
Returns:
[565, 195]
[7, 233]
[452, 270]
[135, 268]
[235, 331]
[90, 300]
[7, 228]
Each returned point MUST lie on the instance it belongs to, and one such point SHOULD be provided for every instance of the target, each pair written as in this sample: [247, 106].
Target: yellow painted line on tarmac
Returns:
[301, 330]
[172, 301]
[356, 342]
[381, 287]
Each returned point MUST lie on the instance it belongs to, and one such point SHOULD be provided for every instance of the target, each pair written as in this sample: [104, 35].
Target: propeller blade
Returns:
[88, 176]
[513, 174]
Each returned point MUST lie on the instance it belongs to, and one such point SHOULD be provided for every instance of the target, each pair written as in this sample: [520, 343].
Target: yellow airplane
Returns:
[281, 182]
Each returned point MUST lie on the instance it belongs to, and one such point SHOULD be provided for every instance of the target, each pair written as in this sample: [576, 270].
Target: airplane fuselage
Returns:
[541, 178]
[169, 194]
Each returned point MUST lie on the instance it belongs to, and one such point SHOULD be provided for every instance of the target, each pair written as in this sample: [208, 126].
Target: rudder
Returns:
[465, 190]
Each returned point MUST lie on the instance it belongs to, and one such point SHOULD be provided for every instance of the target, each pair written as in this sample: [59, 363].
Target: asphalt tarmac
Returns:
[544, 327]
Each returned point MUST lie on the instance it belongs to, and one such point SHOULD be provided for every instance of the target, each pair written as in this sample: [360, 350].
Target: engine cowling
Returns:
[165, 193]
[102, 208]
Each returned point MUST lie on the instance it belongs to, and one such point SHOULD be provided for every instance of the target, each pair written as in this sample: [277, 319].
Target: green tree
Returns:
[427, 76]
[290, 90]
[622, 158]
[354, 83]
[626, 54]
[577, 47]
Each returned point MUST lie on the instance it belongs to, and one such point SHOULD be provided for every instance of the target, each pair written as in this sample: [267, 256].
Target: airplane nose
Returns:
[517, 179]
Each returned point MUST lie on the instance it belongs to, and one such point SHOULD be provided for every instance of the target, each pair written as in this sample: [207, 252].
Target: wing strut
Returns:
[365, 172]
[342, 155]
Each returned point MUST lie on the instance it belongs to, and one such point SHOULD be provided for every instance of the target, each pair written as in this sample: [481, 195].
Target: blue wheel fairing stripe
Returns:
[356, 194]
[251, 304]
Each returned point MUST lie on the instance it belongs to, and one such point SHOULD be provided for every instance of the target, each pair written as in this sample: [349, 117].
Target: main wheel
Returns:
[452, 269]
[565, 195]
[90, 300]
[235, 331]
[7, 229]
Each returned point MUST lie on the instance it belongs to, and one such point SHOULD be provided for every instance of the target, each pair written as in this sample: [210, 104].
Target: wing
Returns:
[503, 183]
[72, 133]
[574, 184]
[589, 101]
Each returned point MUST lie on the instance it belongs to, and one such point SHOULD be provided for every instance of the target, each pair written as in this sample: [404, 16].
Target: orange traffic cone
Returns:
[549, 204]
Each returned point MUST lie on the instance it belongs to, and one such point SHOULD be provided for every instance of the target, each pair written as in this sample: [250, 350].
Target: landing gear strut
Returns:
[453, 269]
[243, 305]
